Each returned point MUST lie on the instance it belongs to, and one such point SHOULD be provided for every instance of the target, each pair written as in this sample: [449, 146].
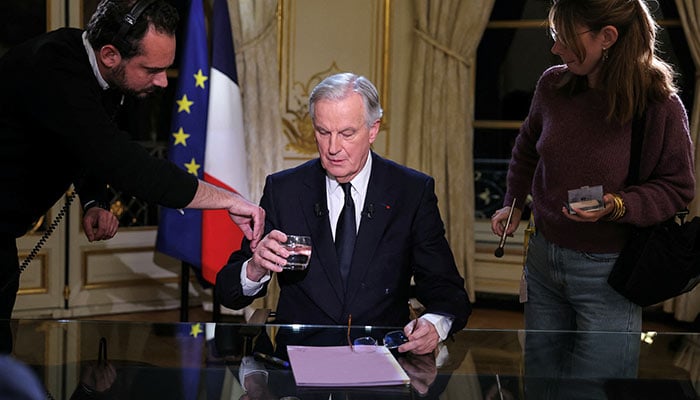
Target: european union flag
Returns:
[180, 232]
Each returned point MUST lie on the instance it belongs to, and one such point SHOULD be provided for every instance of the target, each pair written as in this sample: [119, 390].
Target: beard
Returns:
[120, 83]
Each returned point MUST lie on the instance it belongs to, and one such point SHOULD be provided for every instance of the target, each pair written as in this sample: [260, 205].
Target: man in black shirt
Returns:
[57, 98]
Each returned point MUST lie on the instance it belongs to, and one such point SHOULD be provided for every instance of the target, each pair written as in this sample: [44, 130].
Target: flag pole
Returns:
[184, 291]
[216, 306]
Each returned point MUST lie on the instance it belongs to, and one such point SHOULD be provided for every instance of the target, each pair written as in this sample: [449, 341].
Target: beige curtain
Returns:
[254, 24]
[687, 306]
[439, 136]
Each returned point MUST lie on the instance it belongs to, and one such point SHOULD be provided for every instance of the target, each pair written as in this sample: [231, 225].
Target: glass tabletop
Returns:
[76, 359]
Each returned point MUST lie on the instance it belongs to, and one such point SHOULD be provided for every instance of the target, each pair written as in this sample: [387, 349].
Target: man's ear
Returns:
[109, 56]
[373, 131]
[609, 35]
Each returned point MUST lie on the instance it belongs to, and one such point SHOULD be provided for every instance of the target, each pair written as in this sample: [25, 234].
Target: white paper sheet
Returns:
[339, 366]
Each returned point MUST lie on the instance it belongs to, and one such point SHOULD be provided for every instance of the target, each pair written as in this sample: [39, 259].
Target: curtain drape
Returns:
[255, 37]
[687, 306]
[438, 140]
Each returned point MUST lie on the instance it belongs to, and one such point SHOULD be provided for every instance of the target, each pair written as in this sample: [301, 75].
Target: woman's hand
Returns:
[499, 218]
[593, 215]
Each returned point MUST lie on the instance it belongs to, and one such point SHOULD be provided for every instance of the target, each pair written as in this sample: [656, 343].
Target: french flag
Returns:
[225, 151]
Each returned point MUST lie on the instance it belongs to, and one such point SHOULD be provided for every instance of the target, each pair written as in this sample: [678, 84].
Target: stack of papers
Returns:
[340, 366]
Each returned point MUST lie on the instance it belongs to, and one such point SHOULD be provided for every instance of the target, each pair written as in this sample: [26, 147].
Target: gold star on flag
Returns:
[192, 167]
[195, 330]
[180, 137]
[184, 104]
[199, 79]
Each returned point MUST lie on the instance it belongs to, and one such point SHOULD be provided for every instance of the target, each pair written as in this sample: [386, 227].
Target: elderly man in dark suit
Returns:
[391, 214]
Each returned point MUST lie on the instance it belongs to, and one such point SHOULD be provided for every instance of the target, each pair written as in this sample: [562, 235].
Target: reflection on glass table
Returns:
[129, 360]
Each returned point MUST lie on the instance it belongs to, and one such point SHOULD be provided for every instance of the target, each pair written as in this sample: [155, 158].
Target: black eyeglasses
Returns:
[392, 340]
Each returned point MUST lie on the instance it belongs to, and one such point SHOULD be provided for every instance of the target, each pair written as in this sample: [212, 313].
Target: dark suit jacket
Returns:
[401, 235]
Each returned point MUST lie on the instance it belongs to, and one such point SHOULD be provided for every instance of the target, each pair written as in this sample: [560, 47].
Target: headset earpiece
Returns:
[129, 21]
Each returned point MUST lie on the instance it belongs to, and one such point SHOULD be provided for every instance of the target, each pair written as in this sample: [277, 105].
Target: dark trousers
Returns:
[9, 275]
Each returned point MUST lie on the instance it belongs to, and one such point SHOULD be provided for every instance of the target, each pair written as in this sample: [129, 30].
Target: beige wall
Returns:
[319, 38]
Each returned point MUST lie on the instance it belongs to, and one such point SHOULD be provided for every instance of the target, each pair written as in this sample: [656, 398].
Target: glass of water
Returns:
[299, 252]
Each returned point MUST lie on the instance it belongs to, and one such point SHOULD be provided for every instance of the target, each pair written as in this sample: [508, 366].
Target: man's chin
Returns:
[331, 169]
[141, 94]
[146, 93]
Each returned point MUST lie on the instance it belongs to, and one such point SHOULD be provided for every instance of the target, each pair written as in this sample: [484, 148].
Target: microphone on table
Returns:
[499, 250]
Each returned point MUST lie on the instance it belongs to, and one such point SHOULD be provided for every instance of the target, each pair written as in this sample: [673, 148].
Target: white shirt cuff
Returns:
[251, 288]
[442, 323]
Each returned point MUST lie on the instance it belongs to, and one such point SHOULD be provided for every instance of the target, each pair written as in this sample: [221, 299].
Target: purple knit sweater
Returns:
[566, 143]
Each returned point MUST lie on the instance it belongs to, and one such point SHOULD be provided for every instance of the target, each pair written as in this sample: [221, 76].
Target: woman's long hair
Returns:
[631, 74]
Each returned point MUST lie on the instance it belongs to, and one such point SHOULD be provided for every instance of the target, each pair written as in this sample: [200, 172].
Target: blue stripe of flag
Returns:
[180, 236]
[223, 45]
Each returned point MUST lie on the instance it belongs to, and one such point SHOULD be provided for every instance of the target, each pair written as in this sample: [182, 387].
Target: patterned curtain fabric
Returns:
[686, 307]
[254, 24]
[438, 140]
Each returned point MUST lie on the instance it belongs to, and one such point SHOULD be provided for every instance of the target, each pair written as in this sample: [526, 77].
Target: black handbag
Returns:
[661, 261]
[658, 262]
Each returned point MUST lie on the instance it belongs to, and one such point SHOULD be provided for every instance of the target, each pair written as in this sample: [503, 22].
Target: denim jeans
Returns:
[568, 291]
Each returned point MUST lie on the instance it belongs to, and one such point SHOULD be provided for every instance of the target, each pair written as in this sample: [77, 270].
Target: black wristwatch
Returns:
[95, 203]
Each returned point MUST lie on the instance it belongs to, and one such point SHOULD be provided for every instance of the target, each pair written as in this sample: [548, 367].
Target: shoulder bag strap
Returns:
[636, 155]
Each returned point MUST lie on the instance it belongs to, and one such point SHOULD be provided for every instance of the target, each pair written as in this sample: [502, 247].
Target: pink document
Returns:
[341, 366]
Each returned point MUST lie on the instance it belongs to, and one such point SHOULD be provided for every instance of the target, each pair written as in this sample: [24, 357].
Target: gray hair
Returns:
[340, 86]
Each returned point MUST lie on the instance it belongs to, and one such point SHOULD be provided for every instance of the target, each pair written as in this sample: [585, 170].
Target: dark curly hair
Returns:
[109, 17]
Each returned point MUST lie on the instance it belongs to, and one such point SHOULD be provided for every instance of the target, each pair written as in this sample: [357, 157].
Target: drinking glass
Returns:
[299, 252]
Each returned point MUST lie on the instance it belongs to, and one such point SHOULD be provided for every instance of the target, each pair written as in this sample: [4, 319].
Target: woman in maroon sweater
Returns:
[578, 133]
